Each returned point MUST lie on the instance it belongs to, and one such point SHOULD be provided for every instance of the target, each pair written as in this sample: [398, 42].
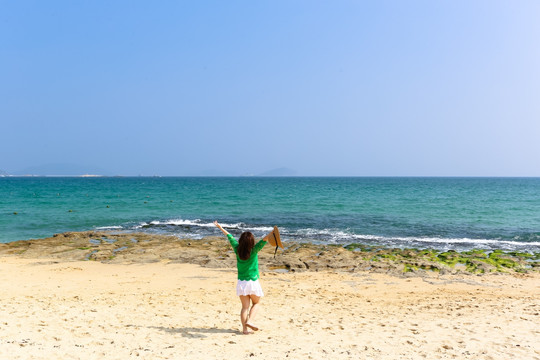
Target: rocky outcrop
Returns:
[216, 252]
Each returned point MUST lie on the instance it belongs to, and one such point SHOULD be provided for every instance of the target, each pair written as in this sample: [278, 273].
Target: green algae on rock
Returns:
[123, 247]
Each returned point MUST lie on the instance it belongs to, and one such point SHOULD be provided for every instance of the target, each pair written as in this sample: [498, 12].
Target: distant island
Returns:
[62, 170]
[73, 170]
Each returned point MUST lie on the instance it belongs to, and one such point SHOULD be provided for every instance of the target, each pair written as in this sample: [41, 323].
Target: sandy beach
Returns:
[55, 308]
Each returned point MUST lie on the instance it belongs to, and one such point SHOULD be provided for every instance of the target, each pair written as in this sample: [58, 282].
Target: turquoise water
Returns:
[441, 213]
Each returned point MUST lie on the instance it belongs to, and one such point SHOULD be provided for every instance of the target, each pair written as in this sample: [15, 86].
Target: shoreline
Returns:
[215, 252]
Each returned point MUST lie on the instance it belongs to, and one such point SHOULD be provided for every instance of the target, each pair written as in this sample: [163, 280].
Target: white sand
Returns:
[90, 310]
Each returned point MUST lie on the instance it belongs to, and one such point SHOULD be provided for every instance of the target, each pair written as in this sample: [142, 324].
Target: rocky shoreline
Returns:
[215, 252]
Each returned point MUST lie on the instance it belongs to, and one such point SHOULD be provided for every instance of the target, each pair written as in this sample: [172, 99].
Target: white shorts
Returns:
[249, 287]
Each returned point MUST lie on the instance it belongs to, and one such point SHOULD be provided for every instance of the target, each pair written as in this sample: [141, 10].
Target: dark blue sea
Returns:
[441, 213]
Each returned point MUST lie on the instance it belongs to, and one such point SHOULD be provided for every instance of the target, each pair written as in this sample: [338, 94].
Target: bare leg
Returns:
[253, 311]
[244, 312]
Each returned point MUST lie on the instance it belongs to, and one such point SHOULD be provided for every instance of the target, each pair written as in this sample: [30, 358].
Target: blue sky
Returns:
[332, 88]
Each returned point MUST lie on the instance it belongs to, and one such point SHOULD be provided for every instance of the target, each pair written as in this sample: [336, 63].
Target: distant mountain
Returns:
[3, 173]
[62, 170]
[283, 171]
[215, 172]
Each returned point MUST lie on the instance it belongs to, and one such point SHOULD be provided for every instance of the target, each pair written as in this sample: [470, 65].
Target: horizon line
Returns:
[266, 176]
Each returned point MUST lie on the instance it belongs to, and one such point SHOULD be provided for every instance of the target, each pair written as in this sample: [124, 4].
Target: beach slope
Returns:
[63, 309]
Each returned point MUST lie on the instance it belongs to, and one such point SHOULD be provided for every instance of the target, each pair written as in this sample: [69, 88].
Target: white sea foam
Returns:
[109, 228]
[340, 236]
[199, 223]
[198, 228]
[449, 240]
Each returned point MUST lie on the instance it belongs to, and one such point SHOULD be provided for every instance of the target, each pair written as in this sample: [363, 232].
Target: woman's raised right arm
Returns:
[220, 228]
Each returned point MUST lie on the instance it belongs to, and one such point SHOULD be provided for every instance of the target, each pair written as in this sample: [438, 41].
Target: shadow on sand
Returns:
[195, 332]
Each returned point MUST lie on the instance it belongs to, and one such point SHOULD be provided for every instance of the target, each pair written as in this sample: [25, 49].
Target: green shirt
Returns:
[247, 269]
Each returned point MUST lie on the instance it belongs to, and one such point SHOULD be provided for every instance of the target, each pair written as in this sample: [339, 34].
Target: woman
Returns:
[247, 287]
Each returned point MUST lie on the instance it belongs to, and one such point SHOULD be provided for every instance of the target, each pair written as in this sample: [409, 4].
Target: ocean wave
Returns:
[199, 228]
[438, 240]
[109, 228]
[339, 236]
[201, 224]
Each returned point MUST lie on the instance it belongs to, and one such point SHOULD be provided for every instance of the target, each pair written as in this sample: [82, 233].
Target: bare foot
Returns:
[252, 327]
[247, 332]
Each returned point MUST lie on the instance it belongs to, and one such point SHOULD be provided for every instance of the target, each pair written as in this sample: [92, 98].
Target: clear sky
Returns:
[333, 88]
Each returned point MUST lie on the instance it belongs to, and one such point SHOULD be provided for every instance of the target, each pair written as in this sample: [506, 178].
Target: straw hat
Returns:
[273, 238]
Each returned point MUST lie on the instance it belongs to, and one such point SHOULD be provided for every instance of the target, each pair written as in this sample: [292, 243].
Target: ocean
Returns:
[410, 212]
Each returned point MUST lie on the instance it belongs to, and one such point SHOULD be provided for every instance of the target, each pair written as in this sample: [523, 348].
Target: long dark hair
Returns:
[245, 245]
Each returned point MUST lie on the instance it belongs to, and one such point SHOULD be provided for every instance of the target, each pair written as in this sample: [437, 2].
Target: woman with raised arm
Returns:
[248, 287]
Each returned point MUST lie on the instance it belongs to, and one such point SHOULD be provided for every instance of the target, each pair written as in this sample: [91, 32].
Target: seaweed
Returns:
[476, 261]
